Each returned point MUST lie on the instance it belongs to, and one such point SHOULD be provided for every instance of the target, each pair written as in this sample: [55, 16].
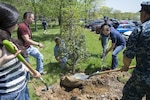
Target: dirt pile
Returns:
[99, 87]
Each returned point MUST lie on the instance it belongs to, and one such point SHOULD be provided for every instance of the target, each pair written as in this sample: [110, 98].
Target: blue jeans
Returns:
[114, 56]
[32, 51]
[22, 95]
[104, 42]
[64, 61]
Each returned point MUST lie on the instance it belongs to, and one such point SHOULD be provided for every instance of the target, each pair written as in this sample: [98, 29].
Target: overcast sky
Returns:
[124, 5]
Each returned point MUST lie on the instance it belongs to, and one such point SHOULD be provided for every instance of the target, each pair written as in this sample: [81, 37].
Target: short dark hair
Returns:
[106, 18]
[27, 14]
[56, 39]
[102, 27]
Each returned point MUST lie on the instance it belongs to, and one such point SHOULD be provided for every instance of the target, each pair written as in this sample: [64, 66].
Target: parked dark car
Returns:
[90, 24]
[98, 23]
[137, 23]
[98, 27]
[87, 25]
[112, 21]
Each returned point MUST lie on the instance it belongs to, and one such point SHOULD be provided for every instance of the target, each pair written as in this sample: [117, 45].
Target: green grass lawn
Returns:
[90, 65]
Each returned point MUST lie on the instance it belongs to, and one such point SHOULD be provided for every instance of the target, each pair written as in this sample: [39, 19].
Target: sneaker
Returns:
[114, 68]
[43, 73]
[102, 56]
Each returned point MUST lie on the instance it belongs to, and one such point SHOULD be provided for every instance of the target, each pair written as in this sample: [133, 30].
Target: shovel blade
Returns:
[47, 88]
[80, 76]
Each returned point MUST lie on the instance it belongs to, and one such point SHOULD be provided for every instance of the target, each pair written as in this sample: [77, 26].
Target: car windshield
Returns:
[126, 26]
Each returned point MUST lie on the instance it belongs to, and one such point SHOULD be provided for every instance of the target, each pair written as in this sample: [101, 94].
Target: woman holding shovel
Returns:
[13, 84]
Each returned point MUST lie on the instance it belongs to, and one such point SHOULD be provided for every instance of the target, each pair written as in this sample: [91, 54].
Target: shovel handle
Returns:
[11, 49]
[29, 67]
[108, 71]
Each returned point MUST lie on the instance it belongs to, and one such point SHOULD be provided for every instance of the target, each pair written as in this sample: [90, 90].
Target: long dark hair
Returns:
[9, 17]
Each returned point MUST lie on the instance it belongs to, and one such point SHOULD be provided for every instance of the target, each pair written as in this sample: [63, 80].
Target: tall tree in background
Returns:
[89, 8]
[35, 5]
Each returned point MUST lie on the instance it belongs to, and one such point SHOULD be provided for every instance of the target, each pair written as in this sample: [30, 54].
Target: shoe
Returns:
[102, 56]
[114, 68]
[43, 73]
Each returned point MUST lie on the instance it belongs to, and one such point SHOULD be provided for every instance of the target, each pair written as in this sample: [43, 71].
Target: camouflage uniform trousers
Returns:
[137, 87]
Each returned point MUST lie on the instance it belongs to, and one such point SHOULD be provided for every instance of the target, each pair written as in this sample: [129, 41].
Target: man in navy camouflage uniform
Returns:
[138, 46]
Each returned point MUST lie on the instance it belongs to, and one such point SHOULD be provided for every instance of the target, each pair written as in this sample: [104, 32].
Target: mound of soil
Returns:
[99, 87]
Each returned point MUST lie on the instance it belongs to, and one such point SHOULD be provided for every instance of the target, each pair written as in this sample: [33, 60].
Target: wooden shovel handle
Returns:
[108, 71]
[29, 67]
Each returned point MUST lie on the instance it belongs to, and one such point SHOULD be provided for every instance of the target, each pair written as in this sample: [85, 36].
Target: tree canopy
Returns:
[87, 9]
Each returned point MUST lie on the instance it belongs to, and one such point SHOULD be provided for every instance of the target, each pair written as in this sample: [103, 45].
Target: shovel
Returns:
[103, 62]
[82, 76]
[11, 49]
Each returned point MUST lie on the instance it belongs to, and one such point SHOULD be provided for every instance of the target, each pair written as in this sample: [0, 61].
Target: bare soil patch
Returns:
[99, 87]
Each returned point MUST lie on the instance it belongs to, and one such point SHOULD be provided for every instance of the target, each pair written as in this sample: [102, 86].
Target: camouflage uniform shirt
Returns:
[139, 46]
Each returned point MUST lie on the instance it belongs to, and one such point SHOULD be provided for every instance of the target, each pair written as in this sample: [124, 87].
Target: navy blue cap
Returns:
[145, 6]
[105, 18]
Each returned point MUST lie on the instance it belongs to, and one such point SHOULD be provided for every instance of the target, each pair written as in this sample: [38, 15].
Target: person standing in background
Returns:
[25, 36]
[138, 46]
[44, 23]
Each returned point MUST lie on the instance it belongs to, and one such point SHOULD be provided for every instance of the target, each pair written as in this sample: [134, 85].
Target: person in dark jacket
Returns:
[138, 46]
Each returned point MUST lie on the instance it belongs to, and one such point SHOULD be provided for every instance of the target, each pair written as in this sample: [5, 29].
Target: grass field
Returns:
[90, 65]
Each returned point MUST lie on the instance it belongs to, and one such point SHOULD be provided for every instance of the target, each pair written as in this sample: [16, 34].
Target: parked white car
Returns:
[126, 35]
